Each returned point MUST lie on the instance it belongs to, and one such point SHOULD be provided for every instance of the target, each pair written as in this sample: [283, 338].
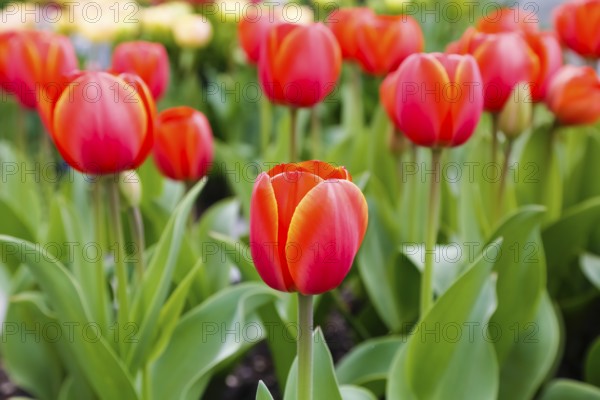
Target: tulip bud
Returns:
[131, 187]
[192, 31]
[515, 117]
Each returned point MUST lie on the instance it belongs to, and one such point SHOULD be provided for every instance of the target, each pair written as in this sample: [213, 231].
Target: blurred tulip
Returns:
[506, 19]
[101, 123]
[130, 187]
[307, 221]
[158, 21]
[183, 144]
[253, 28]
[299, 64]
[147, 60]
[515, 117]
[384, 41]
[547, 49]
[106, 22]
[499, 71]
[344, 22]
[192, 31]
[387, 96]
[31, 61]
[577, 23]
[574, 95]
[438, 98]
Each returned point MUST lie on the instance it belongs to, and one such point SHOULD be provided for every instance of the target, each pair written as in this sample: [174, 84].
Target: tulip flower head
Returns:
[577, 23]
[505, 19]
[148, 60]
[307, 221]
[384, 41]
[32, 61]
[299, 64]
[574, 96]
[192, 31]
[253, 28]
[438, 99]
[387, 95]
[101, 123]
[344, 22]
[183, 145]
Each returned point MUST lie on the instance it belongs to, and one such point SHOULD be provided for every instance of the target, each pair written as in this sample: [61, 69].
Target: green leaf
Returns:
[350, 392]
[590, 266]
[325, 385]
[201, 340]
[153, 289]
[262, 392]
[100, 365]
[566, 389]
[449, 344]
[592, 364]
[368, 364]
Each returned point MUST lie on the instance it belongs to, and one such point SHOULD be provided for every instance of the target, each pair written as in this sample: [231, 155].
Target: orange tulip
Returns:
[500, 72]
[387, 96]
[32, 61]
[307, 221]
[183, 144]
[300, 64]
[508, 20]
[148, 60]
[574, 95]
[254, 27]
[438, 98]
[344, 22]
[384, 41]
[101, 123]
[577, 23]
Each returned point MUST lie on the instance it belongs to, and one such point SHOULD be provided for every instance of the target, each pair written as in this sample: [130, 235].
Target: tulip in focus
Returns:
[183, 144]
[101, 123]
[192, 31]
[33, 61]
[307, 222]
[577, 23]
[384, 41]
[574, 96]
[344, 22]
[438, 98]
[148, 60]
[515, 117]
[299, 64]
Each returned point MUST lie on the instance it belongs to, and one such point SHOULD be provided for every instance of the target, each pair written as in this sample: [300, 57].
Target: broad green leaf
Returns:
[350, 392]
[368, 364]
[450, 344]
[100, 365]
[590, 266]
[239, 254]
[152, 181]
[153, 290]
[325, 385]
[592, 364]
[201, 340]
[262, 393]
[280, 336]
[566, 389]
[238, 171]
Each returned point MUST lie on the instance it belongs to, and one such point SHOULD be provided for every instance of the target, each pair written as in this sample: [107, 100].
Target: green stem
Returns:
[119, 254]
[21, 129]
[433, 217]
[413, 193]
[503, 176]
[315, 128]
[265, 124]
[137, 230]
[495, 134]
[293, 134]
[305, 341]
[99, 225]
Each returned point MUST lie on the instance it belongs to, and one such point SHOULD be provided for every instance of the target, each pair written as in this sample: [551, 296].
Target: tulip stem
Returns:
[315, 128]
[293, 134]
[503, 175]
[495, 132]
[305, 353]
[99, 225]
[137, 231]
[433, 217]
[119, 250]
[265, 124]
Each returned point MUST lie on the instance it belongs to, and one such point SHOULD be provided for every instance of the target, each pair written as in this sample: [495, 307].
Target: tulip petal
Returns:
[324, 236]
[316, 167]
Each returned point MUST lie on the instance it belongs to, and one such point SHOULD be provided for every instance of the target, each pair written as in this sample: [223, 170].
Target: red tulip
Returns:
[499, 71]
[254, 27]
[183, 144]
[384, 41]
[574, 95]
[31, 61]
[307, 222]
[299, 64]
[100, 123]
[547, 49]
[508, 20]
[344, 22]
[577, 23]
[438, 98]
[387, 95]
[147, 60]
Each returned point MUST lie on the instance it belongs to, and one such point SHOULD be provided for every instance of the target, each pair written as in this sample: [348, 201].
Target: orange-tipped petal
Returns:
[324, 236]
